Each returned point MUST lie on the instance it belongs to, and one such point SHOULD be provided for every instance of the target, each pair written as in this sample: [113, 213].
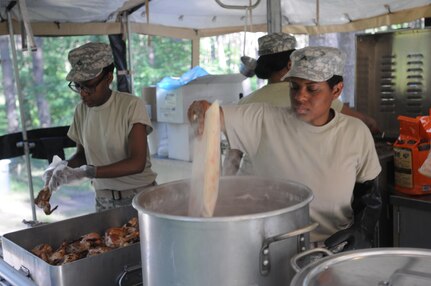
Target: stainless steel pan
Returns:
[102, 269]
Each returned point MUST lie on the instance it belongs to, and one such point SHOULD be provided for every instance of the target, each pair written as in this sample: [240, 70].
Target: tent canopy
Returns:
[199, 18]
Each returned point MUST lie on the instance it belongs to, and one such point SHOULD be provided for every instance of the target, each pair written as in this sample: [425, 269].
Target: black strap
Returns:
[116, 195]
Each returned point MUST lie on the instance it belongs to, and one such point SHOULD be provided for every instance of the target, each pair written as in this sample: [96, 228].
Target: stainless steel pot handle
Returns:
[13, 276]
[126, 271]
[294, 260]
[265, 265]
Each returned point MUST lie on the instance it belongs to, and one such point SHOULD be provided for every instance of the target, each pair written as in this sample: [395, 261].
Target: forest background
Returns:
[42, 73]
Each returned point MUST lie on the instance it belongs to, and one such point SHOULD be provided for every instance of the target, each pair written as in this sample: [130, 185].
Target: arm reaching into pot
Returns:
[367, 205]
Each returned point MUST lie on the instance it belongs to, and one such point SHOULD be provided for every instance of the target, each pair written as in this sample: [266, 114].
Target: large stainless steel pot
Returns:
[378, 266]
[242, 244]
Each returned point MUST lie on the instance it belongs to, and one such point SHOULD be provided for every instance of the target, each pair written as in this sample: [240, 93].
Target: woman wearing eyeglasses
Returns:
[110, 129]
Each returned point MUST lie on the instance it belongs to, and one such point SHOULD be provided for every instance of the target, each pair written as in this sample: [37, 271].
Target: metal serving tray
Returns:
[102, 269]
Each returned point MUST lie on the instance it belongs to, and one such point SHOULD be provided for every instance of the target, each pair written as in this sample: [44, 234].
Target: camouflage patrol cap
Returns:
[316, 63]
[276, 43]
[88, 61]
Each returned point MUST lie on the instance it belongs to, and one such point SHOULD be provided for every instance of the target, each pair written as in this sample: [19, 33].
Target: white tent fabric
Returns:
[196, 18]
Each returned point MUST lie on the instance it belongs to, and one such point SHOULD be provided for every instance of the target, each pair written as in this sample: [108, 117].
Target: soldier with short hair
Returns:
[110, 129]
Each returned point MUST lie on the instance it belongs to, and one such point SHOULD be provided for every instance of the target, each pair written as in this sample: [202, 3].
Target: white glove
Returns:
[64, 175]
[56, 162]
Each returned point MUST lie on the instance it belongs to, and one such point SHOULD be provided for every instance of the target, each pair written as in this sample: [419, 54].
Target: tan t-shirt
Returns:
[328, 159]
[104, 130]
[277, 94]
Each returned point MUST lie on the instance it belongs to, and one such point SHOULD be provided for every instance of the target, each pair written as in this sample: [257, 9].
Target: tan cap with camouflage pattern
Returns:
[276, 43]
[316, 63]
[88, 61]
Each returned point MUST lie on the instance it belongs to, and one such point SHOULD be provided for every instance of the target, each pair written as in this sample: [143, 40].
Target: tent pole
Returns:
[22, 115]
[273, 8]
[129, 52]
[27, 31]
[195, 51]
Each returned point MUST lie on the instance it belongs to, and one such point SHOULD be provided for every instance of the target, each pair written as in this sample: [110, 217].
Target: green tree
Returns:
[156, 57]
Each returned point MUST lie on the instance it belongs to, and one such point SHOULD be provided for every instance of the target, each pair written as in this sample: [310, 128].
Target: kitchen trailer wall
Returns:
[393, 76]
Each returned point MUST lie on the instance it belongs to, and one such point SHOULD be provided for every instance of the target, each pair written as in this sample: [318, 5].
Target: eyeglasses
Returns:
[77, 87]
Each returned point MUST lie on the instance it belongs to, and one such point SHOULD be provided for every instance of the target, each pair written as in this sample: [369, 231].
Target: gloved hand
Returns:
[366, 205]
[66, 175]
[354, 237]
[56, 162]
[196, 115]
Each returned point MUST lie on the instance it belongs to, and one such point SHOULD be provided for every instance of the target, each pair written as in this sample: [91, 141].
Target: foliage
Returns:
[154, 57]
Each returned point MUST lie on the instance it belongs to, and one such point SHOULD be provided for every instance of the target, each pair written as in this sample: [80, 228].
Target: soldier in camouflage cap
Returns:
[274, 52]
[274, 56]
[276, 43]
[110, 129]
[273, 63]
[311, 143]
[88, 61]
[316, 63]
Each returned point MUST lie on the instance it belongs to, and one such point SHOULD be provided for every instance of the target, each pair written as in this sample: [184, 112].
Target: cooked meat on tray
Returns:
[89, 244]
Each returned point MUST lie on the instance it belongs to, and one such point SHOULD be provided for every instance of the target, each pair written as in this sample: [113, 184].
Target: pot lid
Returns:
[379, 267]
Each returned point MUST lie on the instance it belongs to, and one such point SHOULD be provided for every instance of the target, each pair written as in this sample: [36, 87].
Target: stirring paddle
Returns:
[206, 166]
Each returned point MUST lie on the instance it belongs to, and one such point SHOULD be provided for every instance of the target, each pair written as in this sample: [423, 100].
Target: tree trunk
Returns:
[151, 56]
[42, 103]
[220, 52]
[9, 86]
